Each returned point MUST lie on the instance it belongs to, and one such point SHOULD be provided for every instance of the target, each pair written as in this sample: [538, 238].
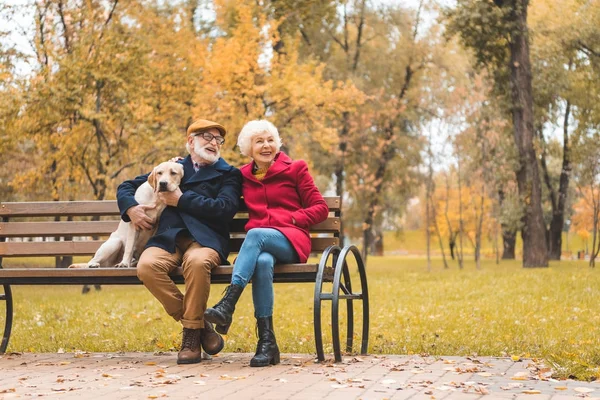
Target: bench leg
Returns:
[322, 275]
[341, 269]
[7, 297]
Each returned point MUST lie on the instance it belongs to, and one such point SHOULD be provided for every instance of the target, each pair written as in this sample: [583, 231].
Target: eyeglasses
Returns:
[209, 137]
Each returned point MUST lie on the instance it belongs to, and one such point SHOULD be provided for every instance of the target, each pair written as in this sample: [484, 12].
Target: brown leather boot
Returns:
[212, 342]
[190, 352]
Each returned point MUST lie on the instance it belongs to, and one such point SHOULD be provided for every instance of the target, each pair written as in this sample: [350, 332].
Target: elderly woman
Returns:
[283, 202]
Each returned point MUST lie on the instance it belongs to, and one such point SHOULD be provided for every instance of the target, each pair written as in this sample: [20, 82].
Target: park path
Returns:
[111, 376]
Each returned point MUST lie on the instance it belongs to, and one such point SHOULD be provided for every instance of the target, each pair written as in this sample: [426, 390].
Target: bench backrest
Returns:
[61, 228]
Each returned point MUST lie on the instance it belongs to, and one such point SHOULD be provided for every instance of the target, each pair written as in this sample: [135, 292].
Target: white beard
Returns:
[206, 155]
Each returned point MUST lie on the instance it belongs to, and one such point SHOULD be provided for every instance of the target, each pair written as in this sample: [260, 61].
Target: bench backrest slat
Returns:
[104, 228]
[89, 208]
[89, 247]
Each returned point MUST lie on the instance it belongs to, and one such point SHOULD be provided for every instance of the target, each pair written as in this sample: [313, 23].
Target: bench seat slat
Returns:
[89, 228]
[67, 276]
[88, 208]
[76, 248]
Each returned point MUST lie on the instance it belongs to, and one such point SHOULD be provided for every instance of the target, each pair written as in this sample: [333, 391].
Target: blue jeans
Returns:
[261, 250]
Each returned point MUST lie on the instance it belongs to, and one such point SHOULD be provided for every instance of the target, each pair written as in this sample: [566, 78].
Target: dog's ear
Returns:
[152, 180]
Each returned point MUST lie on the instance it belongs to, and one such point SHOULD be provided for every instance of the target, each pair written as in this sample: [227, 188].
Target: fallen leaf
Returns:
[482, 390]
[531, 391]
[584, 390]
[485, 374]
[560, 388]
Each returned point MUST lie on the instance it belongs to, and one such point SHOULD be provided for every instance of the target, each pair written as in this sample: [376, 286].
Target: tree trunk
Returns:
[559, 202]
[509, 235]
[339, 169]
[377, 247]
[427, 226]
[479, 229]
[367, 235]
[439, 235]
[596, 229]
[459, 253]
[509, 241]
[535, 251]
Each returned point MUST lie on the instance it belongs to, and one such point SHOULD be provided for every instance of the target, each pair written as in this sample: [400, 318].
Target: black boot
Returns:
[267, 351]
[220, 314]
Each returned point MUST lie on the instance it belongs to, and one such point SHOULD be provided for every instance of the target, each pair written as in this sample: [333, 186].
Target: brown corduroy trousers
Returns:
[153, 270]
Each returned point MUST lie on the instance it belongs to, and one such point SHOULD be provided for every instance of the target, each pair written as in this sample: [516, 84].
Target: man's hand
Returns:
[139, 218]
[170, 198]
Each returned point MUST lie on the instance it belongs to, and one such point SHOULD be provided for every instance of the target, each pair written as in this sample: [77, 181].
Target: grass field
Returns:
[499, 310]
[414, 243]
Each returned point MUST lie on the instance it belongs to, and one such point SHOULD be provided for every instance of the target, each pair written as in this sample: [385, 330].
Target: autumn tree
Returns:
[498, 33]
[116, 84]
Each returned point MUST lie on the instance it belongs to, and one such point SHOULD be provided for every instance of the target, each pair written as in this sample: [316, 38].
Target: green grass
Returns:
[414, 243]
[499, 310]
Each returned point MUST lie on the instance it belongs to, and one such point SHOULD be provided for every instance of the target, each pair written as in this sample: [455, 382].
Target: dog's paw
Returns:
[122, 265]
[93, 265]
[78, 266]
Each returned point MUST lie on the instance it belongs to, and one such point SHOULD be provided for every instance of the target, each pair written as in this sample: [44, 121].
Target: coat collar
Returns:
[281, 164]
[204, 173]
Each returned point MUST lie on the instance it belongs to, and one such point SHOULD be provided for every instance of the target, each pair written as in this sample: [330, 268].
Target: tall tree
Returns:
[499, 35]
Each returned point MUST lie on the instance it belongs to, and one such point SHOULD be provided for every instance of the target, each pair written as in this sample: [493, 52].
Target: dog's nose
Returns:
[163, 186]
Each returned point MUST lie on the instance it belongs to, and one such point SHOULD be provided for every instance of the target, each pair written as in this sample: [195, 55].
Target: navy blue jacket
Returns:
[209, 202]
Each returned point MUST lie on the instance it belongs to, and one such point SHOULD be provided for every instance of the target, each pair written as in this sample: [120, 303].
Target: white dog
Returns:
[128, 242]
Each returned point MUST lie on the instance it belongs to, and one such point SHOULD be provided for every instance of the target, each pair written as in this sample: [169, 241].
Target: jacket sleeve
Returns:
[315, 208]
[223, 207]
[126, 195]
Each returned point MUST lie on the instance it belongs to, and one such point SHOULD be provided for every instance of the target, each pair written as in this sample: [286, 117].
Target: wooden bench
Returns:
[22, 222]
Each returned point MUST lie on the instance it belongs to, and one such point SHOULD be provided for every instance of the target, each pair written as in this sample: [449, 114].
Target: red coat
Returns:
[287, 191]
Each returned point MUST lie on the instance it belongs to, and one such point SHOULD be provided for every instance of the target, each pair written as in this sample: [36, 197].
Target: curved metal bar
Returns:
[9, 318]
[335, 303]
[349, 307]
[364, 348]
[332, 251]
[342, 266]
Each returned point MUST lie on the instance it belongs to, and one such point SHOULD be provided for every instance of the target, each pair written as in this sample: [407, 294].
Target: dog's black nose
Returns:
[163, 186]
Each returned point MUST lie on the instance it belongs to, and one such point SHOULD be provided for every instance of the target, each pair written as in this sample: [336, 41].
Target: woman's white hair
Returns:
[254, 128]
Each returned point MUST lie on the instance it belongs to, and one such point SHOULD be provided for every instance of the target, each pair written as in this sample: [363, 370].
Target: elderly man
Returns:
[193, 231]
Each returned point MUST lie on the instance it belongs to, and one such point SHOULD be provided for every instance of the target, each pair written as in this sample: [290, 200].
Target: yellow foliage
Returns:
[118, 99]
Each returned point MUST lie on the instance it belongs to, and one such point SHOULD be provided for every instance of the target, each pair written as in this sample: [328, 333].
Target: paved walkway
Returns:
[155, 376]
